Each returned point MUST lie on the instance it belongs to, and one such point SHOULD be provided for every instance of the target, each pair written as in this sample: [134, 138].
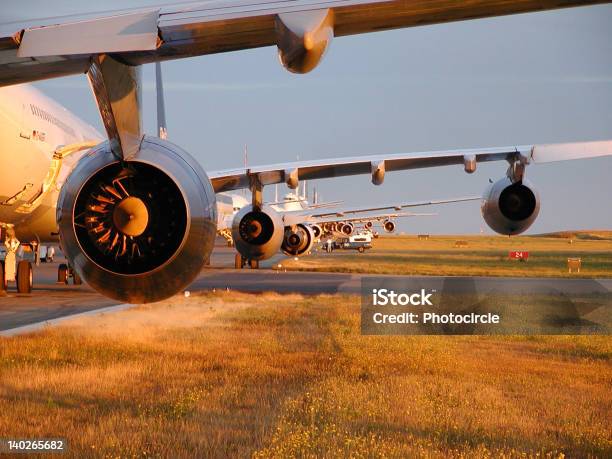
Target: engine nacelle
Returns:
[257, 234]
[328, 227]
[303, 38]
[347, 229]
[510, 208]
[298, 241]
[317, 231]
[389, 226]
[368, 225]
[140, 231]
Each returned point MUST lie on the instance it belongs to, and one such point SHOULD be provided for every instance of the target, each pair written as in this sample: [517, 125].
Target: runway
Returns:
[50, 300]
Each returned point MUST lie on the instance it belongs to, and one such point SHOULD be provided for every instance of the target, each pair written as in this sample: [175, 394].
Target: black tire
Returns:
[238, 263]
[360, 249]
[24, 277]
[254, 264]
[76, 279]
[62, 274]
[3, 283]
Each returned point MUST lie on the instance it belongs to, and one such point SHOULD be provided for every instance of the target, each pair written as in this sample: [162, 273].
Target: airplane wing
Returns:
[378, 165]
[324, 205]
[307, 216]
[34, 48]
[370, 218]
[321, 205]
[343, 212]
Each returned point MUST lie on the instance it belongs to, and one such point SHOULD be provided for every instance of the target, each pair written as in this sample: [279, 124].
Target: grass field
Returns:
[228, 374]
[483, 256]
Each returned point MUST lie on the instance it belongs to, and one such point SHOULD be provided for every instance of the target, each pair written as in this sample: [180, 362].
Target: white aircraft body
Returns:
[136, 215]
[33, 128]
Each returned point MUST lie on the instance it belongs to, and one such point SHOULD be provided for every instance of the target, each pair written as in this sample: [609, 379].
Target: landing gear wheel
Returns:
[76, 279]
[62, 274]
[254, 264]
[360, 250]
[3, 283]
[24, 277]
[238, 261]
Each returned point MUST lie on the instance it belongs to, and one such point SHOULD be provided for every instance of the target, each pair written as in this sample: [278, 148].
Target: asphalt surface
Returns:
[50, 300]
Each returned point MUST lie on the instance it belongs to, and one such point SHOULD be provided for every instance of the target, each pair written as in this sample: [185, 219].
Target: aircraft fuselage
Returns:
[32, 127]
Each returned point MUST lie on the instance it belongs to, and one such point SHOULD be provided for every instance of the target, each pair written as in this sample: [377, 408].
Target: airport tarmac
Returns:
[49, 300]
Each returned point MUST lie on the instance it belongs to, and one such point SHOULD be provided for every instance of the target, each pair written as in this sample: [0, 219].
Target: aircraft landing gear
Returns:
[3, 283]
[65, 272]
[18, 272]
[24, 277]
[240, 262]
[62, 274]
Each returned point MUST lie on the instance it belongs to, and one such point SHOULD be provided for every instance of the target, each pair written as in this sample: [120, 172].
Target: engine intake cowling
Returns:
[347, 229]
[257, 234]
[338, 228]
[510, 208]
[138, 231]
[297, 241]
[317, 231]
[389, 226]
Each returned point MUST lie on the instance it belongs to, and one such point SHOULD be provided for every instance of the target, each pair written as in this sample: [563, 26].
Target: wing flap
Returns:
[116, 34]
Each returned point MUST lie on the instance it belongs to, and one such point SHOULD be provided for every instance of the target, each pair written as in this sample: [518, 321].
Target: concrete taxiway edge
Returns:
[47, 323]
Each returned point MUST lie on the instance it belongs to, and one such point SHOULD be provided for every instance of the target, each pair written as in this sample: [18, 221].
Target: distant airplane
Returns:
[136, 215]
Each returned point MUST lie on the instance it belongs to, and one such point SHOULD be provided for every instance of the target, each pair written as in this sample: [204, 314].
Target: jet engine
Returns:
[337, 227]
[257, 234]
[316, 231]
[140, 230]
[298, 241]
[328, 227]
[510, 208]
[368, 225]
[347, 229]
[389, 226]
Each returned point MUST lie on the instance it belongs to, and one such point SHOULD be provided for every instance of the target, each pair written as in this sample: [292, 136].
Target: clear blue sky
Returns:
[535, 78]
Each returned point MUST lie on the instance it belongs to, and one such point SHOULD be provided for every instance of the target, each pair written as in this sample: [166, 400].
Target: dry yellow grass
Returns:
[483, 256]
[227, 374]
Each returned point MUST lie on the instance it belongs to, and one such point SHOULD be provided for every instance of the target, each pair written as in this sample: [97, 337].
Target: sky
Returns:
[523, 79]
